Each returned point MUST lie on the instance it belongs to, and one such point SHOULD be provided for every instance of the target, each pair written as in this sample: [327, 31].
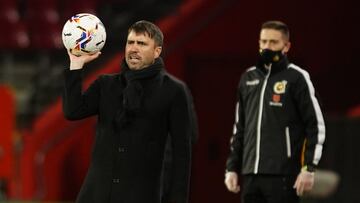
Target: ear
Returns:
[287, 47]
[157, 52]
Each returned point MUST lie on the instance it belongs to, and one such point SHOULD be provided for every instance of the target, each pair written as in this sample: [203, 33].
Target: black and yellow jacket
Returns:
[276, 111]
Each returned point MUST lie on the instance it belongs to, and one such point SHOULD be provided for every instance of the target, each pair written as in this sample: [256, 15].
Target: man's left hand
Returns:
[304, 182]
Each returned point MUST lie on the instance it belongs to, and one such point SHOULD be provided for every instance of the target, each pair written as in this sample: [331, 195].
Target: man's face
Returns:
[140, 50]
[273, 40]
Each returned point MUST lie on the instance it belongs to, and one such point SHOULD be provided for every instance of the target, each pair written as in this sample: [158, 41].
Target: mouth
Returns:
[133, 58]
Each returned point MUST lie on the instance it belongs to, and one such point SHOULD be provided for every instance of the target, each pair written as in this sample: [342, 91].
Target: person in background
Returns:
[278, 120]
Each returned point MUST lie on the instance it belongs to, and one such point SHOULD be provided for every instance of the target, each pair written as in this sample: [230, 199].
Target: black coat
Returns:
[126, 163]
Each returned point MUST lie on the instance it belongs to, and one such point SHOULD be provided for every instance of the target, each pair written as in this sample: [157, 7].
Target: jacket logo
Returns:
[253, 82]
[279, 87]
[276, 100]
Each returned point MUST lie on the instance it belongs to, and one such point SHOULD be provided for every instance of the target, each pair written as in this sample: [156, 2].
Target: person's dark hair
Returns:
[149, 28]
[277, 25]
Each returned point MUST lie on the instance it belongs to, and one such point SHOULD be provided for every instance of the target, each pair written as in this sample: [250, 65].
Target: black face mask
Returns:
[268, 56]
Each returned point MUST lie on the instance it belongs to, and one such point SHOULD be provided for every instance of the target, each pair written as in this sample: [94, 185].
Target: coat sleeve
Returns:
[234, 160]
[193, 118]
[77, 104]
[182, 129]
[311, 115]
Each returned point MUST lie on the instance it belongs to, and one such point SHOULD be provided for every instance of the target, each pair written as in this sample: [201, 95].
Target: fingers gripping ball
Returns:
[84, 33]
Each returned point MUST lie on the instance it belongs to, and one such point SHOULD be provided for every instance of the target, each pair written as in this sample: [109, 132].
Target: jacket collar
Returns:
[275, 68]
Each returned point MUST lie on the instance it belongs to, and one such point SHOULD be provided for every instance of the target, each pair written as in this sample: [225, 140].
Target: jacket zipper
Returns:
[288, 146]
[258, 133]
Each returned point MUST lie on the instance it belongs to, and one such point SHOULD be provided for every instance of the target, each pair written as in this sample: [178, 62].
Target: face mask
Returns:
[268, 56]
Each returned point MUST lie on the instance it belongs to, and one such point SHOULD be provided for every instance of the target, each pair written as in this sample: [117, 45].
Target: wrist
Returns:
[309, 168]
[230, 173]
[76, 65]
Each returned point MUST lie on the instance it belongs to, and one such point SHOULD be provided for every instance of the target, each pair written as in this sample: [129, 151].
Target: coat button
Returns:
[116, 180]
[122, 149]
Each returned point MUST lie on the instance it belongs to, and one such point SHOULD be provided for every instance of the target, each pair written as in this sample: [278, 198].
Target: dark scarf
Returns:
[133, 93]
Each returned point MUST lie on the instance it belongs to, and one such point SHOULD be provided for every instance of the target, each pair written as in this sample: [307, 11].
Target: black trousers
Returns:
[268, 189]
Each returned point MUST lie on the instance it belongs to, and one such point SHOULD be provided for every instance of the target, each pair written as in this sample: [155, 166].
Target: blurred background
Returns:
[208, 44]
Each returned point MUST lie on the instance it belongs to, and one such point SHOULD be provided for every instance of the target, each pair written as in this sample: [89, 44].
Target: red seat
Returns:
[81, 6]
[41, 5]
[16, 36]
[9, 11]
[44, 26]
[48, 37]
[7, 3]
[37, 17]
[7, 126]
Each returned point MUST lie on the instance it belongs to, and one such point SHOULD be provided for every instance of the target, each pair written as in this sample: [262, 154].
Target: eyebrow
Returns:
[271, 40]
[136, 41]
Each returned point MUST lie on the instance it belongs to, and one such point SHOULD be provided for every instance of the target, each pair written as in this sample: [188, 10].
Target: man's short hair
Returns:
[277, 25]
[149, 28]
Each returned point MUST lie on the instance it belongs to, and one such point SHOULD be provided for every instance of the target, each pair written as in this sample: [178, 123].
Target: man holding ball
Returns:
[136, 110]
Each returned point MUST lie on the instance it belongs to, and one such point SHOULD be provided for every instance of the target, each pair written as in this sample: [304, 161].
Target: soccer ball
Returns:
[84, 33]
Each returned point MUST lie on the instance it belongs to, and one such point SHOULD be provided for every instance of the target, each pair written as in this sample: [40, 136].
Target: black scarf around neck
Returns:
[133, 93]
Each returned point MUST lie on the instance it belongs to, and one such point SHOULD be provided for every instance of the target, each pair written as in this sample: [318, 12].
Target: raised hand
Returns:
[78, 62]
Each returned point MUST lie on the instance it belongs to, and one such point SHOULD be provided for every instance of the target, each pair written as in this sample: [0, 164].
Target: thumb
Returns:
[296, 184]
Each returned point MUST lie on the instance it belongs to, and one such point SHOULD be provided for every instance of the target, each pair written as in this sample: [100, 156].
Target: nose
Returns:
[132, 47]
[266, 45]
